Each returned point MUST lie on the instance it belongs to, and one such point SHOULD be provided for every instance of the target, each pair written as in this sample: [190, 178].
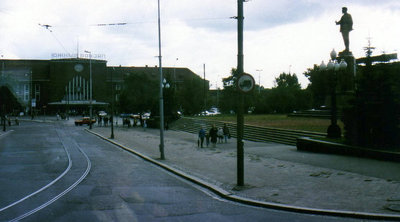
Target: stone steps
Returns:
[251, 133]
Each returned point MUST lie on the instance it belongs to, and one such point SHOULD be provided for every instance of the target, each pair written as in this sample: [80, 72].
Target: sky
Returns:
[279, 36]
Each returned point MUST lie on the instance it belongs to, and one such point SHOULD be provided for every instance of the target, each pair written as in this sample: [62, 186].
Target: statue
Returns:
[346, 25]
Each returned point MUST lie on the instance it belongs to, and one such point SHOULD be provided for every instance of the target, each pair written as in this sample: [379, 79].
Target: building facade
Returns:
[63, 85]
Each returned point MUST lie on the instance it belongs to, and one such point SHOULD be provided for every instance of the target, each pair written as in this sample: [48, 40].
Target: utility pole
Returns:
[205, 90]
[112, 105]
[259, 80]
[91, 89]
[240, 118]
[162, 156]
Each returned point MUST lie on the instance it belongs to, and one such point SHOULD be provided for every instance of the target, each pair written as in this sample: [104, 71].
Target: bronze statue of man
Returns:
[346, 25]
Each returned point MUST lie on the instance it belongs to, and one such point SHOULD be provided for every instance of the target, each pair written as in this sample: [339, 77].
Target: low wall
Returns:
[319, 146]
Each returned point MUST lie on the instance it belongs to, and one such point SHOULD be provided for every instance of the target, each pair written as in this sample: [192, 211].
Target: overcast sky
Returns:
[280, 36]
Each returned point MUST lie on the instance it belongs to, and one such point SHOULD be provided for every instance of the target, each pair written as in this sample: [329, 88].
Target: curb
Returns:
[6, 133]
[229, 196]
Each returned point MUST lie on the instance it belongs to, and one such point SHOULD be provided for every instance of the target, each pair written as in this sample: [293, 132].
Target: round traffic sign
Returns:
[246, 83]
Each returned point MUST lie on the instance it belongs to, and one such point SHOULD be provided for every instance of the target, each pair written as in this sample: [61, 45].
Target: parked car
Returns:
[84, 120]
[102, 113]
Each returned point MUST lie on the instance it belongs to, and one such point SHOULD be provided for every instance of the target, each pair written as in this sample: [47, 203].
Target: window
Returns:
[26, 92]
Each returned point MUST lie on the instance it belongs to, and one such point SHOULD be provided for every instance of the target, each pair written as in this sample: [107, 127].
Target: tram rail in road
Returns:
[56, 189]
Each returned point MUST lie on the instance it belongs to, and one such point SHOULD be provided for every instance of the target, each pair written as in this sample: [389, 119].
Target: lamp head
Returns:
[337, 66]
[333, 54]
[343, 64]
[330, 65]
[322, 66]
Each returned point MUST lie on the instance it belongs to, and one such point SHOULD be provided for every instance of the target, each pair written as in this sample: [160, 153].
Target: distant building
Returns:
[64, 84]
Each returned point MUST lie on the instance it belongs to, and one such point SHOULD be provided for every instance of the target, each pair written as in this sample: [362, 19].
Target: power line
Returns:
[54, 36]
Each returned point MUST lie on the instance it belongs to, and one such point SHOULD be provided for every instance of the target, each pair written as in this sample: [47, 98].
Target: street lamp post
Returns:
[112, 106]
[31, 95]
[162, 156]
[91, 89]
[259, 80]
[240, 114]
[166, 85]
[333, 67]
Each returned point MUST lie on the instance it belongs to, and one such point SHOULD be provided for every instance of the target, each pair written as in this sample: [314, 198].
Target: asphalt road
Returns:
[55, 172]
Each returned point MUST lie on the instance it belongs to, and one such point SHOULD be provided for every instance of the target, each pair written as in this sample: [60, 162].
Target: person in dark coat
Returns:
[214, 135]
[227, 134]
[202, 134]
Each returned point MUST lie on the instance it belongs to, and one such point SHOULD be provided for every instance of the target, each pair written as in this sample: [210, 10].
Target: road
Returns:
[56, 172]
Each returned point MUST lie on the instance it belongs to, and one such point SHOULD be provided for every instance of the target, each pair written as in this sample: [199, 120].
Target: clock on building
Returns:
[78, 67]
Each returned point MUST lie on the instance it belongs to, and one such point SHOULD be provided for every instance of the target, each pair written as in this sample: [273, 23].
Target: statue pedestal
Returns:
[346, 78]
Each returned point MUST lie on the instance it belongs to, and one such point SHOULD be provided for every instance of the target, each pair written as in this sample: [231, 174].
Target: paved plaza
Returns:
[275, 173]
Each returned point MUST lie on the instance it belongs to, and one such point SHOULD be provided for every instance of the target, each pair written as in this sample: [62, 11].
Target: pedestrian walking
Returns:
[214, 135]
[105, 121]
[220, 135]
[207, 139]
[202, 134]
[99, 123]
[144, 125]
[227, 134]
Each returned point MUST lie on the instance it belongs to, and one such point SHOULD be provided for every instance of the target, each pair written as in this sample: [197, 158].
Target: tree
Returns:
[139, 94]
[228, 101]
[318, 85]
[191, 95]
[287, 95]
[372, 117]
[287, 81]
[8, 102]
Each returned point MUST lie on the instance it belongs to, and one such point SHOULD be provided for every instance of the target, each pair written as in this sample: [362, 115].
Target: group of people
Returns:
[214, 135]
[104, 120]
[7, 119]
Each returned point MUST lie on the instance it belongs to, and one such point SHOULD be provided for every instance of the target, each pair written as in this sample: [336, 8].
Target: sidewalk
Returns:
[277, 174]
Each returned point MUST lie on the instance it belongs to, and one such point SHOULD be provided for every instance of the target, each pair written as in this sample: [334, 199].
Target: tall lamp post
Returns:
[240, 114]
[162, 156]
[333, 68]
[259, 80]
[91, 88]
[112, 105]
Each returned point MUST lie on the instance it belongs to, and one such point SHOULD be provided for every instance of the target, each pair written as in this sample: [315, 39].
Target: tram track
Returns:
[71, 177]
[49, 184]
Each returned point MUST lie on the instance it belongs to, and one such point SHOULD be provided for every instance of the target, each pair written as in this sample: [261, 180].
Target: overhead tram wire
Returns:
[54, 36]
[48, 27]
[142, 22]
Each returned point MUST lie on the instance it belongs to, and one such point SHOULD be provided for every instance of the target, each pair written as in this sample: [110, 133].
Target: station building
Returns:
[58, 85]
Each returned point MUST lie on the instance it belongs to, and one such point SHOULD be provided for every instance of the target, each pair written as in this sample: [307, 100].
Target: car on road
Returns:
[102, 113]
[84, 120]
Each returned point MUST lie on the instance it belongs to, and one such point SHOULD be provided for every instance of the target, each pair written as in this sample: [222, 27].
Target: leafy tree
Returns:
[228, 99]
[319, 81]
[191, 96]
[8, 102]
[287, 81]
[139, 94]
[372, 117]
[288, 96]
